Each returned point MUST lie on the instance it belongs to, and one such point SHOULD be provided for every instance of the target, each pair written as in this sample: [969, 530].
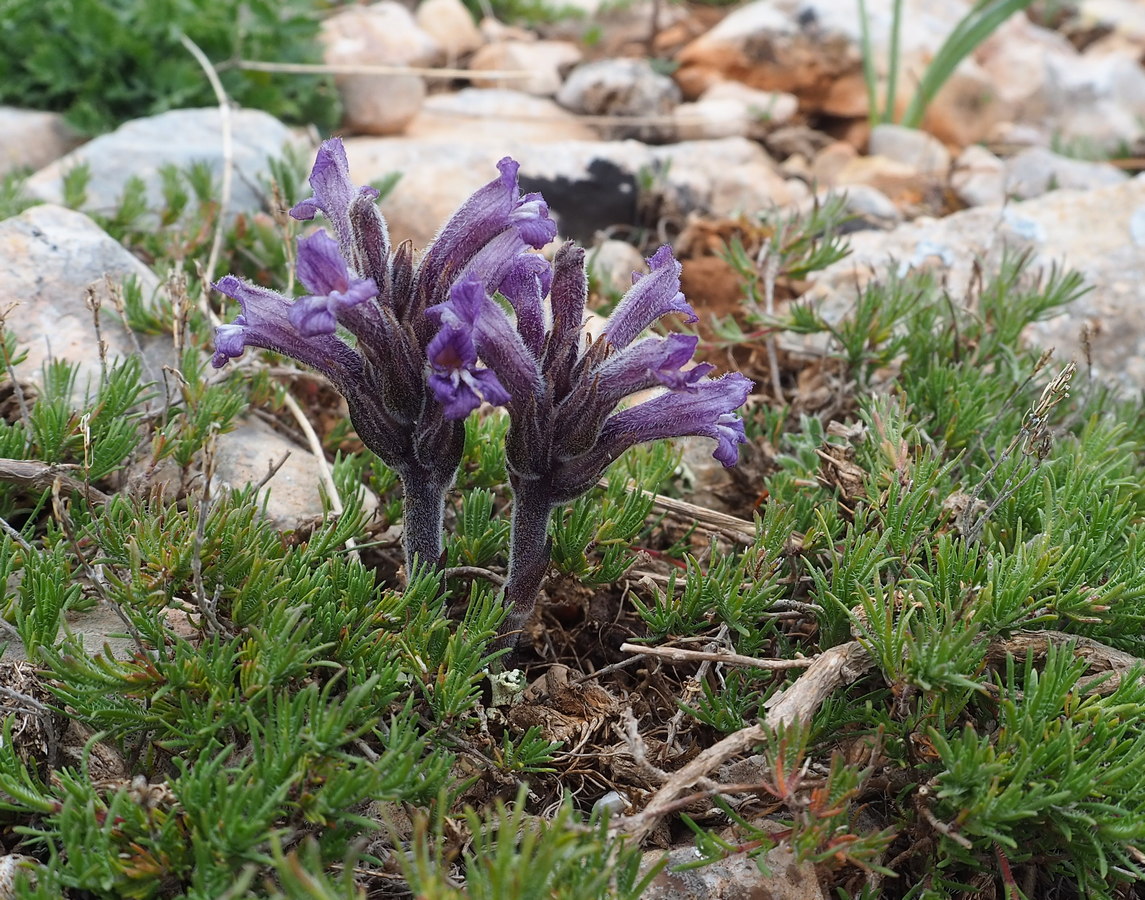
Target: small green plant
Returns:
[977, 25]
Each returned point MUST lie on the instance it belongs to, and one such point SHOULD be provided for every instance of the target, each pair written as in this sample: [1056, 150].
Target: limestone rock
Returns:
[495, 116]
[622, 88]
[589, 185]
[244, 456]
[1100, 233]
[383, 34]
[49, 256]
[735, 877]
[450, 24]
[732, 109]
[30, 139]
[611, 264]
[142, 147]
[1037, 170]
[542, 64]
[978, 177]
[911, 147]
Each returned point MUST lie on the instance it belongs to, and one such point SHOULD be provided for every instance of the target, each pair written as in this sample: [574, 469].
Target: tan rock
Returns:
[450, 24]
[830, 161]
[384, 34]
[541, 63]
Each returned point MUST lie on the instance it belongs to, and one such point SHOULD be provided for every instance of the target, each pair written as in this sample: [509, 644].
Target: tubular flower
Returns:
[563, 392]
[379, 295]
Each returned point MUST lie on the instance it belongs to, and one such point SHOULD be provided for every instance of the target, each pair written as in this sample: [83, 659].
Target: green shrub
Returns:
[102, 62]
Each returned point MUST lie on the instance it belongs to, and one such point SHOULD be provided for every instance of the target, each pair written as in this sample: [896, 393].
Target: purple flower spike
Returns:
[324, 272]
[494, 210]
[333, 191]
[706, 409]
[266, 322]
[651, 297]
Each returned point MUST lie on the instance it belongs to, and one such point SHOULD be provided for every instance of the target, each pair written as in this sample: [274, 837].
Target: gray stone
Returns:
[1099, 233]
[735, 878]
[49, 256]
[866, 202]
[623, 88]
[1037, 170]
[141, 148]
[909, 146]
[978, 177]
[30, 139]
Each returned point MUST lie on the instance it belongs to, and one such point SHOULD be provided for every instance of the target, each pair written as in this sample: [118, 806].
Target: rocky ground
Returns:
[651, 122]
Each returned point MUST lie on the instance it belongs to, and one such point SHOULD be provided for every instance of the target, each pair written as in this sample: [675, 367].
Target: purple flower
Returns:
[323, 271]
[650, 298]
[563, 394]
[570, 393]
[410, 375]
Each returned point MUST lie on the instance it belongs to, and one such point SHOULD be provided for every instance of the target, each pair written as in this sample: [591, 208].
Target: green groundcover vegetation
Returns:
[954, 514]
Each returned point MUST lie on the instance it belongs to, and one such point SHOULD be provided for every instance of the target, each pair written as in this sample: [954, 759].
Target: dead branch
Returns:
[677, 654]
[40, 476]
[832, 669]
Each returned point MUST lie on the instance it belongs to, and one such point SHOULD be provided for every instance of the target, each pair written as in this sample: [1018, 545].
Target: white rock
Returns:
[911, 147]
[495, 116]
[49, 256]
[1124, 16]
[1100, 233]
[1036, 170]
[722, 178]
[142, 147]
[589, 185]
[30, 139]
[978, 177]
[382, 34]
[770, 109]
[622, 88]
[731, 109]
[450, 24]
[541, 64]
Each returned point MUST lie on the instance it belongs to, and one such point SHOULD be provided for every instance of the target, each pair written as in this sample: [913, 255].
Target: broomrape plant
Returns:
[432, 340]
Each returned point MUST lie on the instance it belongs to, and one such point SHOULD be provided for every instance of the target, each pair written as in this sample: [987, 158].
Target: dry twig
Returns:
[677, 654]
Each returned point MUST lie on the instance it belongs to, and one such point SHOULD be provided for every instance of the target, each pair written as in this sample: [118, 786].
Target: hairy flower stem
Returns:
[423, 518]
[529, 553]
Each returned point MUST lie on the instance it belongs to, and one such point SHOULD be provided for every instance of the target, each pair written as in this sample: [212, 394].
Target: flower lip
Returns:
[323, 271]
